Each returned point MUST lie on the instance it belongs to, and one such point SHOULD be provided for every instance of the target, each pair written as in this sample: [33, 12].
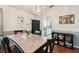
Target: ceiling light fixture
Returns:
[37, 10]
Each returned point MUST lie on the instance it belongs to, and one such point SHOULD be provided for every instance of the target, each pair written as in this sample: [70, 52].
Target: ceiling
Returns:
[29, 8]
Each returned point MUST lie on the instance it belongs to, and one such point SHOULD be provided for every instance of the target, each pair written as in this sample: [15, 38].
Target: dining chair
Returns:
[11, 46]
[38, 32]
[18, 31]
[55, 37]
[50, 45]
[6, 46]
[1, 46]
[47, 47]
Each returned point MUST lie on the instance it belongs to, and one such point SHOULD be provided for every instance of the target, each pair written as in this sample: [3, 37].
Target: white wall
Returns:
[10, 20]
[61, 10]
[1, 22]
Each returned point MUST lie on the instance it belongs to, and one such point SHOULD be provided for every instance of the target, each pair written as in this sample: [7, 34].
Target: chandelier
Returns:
[37, 10]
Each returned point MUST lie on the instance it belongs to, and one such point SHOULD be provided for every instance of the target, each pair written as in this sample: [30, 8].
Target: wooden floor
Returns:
[60, 49]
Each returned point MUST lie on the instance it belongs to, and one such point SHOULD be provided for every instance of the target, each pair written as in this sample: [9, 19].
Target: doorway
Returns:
[47, 27]
[36, 27]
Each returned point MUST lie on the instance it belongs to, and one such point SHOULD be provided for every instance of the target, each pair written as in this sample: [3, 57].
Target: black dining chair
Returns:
[38, 32]
[6, 46]
[50, 45]
[1, 46]
[18, 31]
[11, 46]
[47, 47]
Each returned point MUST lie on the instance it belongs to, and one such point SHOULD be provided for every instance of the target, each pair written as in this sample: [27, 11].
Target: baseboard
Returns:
[76, 46]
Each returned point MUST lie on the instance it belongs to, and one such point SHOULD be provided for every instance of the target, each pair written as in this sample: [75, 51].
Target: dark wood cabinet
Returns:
[63, 39]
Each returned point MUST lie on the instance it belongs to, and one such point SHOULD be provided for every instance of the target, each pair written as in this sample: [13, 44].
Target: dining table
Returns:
[28, 44]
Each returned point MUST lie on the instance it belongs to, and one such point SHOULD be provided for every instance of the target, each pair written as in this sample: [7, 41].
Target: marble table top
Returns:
[28, 44]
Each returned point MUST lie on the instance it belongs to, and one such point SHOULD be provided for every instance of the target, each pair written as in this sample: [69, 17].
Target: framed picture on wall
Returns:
[67, 19]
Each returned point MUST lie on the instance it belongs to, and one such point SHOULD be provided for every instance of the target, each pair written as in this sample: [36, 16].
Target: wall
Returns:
[59, 10]
[1, 22]
[10, 20]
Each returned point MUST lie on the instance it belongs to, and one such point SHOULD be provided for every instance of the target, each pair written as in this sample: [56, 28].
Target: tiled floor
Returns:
[60, 49]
